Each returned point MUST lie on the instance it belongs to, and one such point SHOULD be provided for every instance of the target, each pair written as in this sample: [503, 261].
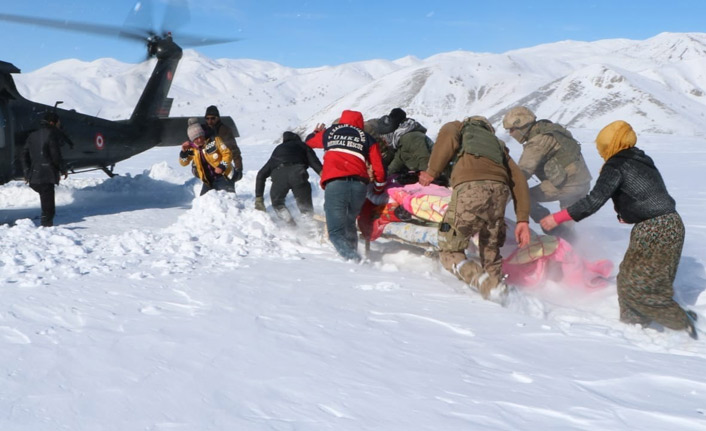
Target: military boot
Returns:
[472, 273]
[491, 288]
[468, 271]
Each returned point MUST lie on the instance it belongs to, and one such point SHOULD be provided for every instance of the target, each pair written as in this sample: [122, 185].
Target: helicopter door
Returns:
[7, 156]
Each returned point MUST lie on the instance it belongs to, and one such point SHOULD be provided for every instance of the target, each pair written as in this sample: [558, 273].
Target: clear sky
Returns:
[317, 33]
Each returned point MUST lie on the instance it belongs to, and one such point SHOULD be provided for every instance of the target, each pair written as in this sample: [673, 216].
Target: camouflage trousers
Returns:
[476, 207]
[646, 275]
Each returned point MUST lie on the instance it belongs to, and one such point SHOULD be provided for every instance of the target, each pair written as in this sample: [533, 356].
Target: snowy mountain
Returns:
[657, 84]
[148, 307]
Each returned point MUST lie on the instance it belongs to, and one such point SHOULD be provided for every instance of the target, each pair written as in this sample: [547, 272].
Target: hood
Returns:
[413, 125]
[352, 118]
[290, 136]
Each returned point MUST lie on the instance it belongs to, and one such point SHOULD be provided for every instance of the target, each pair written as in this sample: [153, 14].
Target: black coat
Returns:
[41, 158]
[292, 151]
[631, 179]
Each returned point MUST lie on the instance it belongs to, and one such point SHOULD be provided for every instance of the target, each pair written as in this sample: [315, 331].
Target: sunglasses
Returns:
[210, 118]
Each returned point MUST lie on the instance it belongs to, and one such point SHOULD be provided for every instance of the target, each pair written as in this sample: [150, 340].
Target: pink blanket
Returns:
[533, 265]
[427, 203]
[546, 258]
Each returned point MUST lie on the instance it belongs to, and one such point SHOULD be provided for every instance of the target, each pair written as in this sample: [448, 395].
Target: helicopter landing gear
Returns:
[108, 171]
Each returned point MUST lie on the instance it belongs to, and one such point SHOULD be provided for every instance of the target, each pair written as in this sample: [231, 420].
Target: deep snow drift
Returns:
[150, 308]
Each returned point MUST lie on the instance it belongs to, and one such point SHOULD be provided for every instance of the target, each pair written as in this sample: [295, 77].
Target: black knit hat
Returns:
[212, 110]
[290, 136]
[397, 116]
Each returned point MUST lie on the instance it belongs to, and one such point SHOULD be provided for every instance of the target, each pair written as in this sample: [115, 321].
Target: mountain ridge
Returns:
[655, 84]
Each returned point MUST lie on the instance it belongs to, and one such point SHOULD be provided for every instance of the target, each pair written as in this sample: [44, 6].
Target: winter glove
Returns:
[237, 176]
[376, 195]
[260, 203]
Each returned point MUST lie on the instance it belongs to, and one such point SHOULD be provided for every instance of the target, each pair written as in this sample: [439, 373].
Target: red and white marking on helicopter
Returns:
[100, 142]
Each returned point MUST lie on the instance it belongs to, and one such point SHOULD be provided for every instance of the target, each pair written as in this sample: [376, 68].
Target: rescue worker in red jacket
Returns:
[348, 151]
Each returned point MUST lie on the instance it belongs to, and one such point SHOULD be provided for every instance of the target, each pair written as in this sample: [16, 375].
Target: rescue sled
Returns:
[412, 213]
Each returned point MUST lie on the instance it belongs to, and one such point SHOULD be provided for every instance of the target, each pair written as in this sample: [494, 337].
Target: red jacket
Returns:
[348, 150]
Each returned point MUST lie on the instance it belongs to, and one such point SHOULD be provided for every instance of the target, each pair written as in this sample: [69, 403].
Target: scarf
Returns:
[614, 138]
[407, 126]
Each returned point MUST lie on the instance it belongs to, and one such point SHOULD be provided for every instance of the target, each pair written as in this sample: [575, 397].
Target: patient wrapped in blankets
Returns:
[413, 212]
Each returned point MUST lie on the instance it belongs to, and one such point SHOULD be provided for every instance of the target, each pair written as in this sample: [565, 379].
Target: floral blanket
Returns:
[413, 212]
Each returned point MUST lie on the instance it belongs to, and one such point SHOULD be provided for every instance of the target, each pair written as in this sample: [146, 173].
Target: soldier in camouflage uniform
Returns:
[552, 154]
[483, 179]
[646, 276]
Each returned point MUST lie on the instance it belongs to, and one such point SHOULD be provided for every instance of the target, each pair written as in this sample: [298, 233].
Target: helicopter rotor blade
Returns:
[139, 19]
[137, 25]
[189, 41]
[82, 27]
[176, 16]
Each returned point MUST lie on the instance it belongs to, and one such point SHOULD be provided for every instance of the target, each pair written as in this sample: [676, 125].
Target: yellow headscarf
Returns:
[615, 137]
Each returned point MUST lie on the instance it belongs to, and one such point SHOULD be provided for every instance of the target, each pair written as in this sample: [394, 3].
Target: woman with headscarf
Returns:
[646, 275]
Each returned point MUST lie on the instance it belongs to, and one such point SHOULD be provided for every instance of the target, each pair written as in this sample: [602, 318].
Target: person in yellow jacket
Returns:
[210, 161]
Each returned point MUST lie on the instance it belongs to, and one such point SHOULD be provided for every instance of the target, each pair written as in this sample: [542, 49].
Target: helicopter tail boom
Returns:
[154, 102]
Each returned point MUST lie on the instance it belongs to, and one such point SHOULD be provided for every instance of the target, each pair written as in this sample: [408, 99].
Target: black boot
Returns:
[692, 317]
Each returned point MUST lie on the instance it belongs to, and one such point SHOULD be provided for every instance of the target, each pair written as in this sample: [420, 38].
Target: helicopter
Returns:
[94, 143]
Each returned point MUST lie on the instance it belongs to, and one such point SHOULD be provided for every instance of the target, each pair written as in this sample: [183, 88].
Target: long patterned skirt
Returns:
[646, 275]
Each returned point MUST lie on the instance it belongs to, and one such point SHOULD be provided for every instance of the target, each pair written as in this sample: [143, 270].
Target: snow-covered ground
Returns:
[150, 308]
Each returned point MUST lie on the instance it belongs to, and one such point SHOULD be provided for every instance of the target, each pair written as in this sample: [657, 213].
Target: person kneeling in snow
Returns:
[646, 276]
[288, 168]
[483, 178]
[210, 161]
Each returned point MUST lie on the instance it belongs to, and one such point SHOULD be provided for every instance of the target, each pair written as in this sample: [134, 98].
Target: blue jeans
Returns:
[343, 200]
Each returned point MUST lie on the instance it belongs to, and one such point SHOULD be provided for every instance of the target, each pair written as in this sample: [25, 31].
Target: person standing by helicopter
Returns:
[210, 161]
[216, 128]
[43, 165]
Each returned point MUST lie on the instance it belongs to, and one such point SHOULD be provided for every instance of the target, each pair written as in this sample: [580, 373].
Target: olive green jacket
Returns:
[412, 153]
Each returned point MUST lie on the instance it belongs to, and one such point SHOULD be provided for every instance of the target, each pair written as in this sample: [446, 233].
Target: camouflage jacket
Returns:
[553, 155]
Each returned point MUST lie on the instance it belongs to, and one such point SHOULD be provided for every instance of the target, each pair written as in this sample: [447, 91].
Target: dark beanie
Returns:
[290, 136]
[397, 116]
[212, 110]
